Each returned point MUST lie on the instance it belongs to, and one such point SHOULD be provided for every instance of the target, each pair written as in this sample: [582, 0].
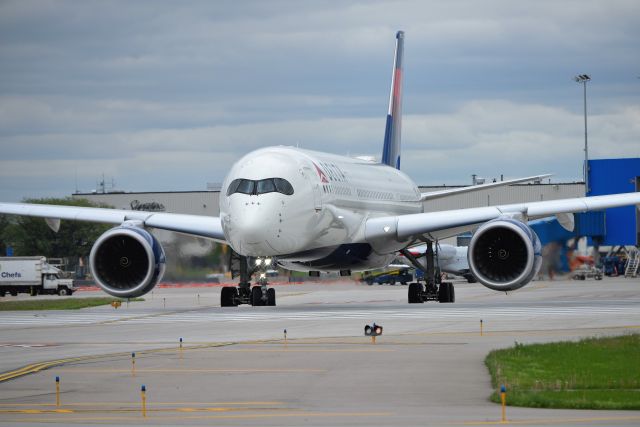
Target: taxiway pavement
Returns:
[235, 368]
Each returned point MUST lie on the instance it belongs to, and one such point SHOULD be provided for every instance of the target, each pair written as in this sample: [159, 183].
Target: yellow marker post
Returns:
[58, 391]
[373, 339]
[143, 394]
[503, 398]
[480, 327]
[133, 364]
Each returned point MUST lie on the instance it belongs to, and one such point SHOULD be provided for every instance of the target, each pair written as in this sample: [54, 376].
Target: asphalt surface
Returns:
[236, 368]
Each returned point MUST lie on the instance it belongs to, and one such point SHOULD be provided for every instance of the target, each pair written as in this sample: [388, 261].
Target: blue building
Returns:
[613, 176]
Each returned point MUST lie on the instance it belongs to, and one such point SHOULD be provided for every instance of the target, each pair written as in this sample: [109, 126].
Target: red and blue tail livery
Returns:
[391, 149]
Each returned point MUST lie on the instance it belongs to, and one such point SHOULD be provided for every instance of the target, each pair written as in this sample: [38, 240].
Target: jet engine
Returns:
[127, 261]
[504, 254]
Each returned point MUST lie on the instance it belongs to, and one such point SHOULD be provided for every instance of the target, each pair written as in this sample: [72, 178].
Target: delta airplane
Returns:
[313, 211]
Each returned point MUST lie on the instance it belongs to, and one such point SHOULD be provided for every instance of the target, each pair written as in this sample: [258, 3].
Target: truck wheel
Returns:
[63, 292]
[13, 292]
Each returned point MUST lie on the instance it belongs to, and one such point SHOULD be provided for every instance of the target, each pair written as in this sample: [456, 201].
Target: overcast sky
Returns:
[167, 95]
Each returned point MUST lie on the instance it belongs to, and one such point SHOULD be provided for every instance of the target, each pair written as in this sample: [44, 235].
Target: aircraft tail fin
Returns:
[391, 149]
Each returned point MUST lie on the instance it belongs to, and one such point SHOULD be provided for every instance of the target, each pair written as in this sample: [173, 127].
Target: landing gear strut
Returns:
[244, 293]
[434, 289]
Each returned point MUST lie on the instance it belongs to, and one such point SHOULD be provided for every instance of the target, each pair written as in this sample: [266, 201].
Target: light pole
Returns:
[583, 78]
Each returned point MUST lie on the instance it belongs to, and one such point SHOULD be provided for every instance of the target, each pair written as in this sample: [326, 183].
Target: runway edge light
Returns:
[57, 391]
[143, 395]
[503, 398]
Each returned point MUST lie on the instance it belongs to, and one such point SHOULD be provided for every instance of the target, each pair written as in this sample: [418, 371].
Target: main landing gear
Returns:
[434, 289]
[244, 293]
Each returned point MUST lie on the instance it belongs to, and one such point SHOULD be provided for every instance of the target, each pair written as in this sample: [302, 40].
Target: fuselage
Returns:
[308, 209]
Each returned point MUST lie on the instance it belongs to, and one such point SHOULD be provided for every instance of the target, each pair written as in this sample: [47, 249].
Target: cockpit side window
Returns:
[251, 187]
[283, 186]
[233, 187]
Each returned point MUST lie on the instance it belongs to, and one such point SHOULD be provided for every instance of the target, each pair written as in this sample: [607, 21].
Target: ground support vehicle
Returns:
[32, 275]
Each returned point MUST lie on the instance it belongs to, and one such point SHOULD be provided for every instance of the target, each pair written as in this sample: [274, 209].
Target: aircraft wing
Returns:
[438, 225]
[453, 191]
[197, 225]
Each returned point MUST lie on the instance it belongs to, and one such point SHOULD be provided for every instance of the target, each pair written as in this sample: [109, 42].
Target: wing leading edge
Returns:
[439, 225]
[197, 225]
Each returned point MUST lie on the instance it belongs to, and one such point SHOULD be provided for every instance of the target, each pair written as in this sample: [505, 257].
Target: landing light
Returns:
[258, 261]
[267, 261]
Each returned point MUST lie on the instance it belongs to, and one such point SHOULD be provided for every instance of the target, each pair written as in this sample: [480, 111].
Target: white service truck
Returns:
[32, 275]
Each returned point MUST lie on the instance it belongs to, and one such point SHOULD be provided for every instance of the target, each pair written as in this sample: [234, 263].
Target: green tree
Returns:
[32, 236]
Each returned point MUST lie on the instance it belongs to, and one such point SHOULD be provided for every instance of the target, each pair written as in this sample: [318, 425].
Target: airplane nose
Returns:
[253, 229]
[250, 230]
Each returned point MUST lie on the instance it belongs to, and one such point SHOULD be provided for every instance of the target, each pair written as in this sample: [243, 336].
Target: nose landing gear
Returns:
[244, 293]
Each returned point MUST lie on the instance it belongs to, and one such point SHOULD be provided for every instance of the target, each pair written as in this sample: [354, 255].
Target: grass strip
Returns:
[593, 373]
[60, 303]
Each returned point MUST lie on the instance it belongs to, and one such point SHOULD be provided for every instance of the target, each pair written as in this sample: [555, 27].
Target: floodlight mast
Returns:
[583, 79]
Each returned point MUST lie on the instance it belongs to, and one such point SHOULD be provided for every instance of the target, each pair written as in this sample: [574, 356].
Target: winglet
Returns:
[391, 149]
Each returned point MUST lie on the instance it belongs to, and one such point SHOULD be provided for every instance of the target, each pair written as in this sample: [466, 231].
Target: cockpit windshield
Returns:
[252, 187]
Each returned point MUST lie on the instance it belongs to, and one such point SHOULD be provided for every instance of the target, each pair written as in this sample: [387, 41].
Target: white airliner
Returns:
[314, 211]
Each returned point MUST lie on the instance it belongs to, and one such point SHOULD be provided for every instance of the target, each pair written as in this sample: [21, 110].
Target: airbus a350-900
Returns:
[313, 211]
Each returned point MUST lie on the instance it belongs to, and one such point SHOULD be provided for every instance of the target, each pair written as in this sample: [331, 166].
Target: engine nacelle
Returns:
[504, 254]
[127, 261]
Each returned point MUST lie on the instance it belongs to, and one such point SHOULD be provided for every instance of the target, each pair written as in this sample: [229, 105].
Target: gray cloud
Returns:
[165, 95]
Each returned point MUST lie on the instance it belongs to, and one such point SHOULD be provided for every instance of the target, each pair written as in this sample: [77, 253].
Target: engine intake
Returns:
[504, 254]
[127, 261]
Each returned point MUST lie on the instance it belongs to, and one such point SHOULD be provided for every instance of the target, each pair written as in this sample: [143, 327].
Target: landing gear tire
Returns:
[271, 297]
[415, 289]
[446, 293]
[228, 297]
[256, 296]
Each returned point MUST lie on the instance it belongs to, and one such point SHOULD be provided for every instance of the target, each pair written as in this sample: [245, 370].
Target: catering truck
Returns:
[32, 275]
